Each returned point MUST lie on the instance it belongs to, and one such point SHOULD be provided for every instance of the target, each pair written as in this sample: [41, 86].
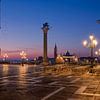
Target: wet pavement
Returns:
[31, 83]
[17, 80]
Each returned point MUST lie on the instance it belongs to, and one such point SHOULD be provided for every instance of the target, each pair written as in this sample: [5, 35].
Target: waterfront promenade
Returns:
[31, 82]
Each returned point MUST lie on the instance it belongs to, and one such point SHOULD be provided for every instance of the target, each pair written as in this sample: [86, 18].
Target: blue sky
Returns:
[71, 22]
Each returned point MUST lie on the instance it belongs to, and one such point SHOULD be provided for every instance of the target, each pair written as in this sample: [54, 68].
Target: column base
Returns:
[45, 63]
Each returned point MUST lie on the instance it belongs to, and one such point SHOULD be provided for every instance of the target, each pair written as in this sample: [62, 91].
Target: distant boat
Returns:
[98, 21]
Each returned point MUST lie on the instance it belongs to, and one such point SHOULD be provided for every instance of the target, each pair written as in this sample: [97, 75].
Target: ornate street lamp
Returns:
[23, 56]
[92, 43]
[97, 52]
[5, 57]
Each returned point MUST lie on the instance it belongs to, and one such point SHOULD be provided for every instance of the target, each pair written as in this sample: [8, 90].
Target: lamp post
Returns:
[97, 53]
[23, 56]
[92, 43]
[5, 57]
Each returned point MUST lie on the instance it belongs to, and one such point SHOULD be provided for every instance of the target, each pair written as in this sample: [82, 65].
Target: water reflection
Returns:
[23, 70]
[17, 74]
[22, 74]
[5, 69]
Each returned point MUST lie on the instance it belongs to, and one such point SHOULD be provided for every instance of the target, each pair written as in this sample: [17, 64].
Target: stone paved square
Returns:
[45, 86]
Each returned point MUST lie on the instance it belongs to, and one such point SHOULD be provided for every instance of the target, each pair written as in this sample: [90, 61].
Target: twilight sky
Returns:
[71, 22]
